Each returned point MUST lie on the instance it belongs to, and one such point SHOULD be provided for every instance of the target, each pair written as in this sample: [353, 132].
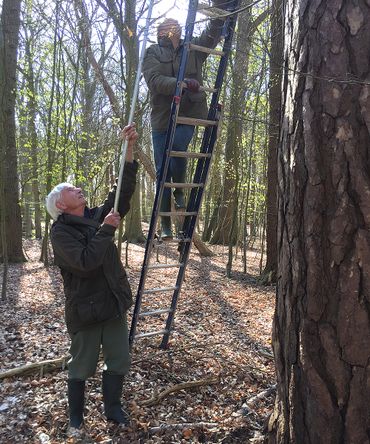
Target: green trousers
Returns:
[112, 337]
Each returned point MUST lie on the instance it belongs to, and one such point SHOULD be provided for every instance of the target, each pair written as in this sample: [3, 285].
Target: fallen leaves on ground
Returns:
[222, 330]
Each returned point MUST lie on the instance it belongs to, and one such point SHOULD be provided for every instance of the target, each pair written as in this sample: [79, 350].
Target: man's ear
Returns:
[60, 205]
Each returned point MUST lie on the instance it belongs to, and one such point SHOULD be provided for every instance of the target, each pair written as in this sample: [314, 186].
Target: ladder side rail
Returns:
[170, 135]
[165, 164]
[152, 227]
[189, 224]
[176, 293]
[210, 134]
[201, 173]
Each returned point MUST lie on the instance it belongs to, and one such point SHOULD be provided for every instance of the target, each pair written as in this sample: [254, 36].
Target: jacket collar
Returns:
[165, 42]
[70, 219]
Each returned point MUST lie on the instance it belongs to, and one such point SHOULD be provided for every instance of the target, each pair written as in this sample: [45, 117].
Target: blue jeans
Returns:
[177, 167]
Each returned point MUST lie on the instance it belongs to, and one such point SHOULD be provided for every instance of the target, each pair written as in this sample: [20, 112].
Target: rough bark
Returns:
[9, 207]
[321, 333]
[276, 62]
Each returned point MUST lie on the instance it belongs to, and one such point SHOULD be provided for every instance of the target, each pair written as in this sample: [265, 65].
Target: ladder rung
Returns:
[175, 240]
[155, 312]
[196, 122]
[210, 11]
[183, 185]
[158, 266]
[151, 333]
[158, 290]
[206, 89]
[177, 213]
[205, 49]
[189, 155]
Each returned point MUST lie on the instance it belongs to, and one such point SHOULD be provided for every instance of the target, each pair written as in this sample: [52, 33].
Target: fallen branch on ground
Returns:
[261, 395]
[184, 385]
[181, 426]
[39, 367]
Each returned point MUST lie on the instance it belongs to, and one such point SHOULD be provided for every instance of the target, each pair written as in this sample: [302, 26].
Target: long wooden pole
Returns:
[133, 103]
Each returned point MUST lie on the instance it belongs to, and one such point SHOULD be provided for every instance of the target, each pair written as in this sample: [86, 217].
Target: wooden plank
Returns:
[216, 52]
[183, 185]
[159, 290]
[196, 122]
[211, 11]
[178, 213]
[189, 155]
[155, 312]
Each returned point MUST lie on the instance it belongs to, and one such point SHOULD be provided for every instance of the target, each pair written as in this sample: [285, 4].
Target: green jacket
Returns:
[160, 68]
[95, 283]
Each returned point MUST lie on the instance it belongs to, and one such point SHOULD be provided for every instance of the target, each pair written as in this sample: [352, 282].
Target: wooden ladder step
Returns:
[155, 312]
[190, 155]
[174, 240]
[212, 12]
[177, 213]
[151, 333]
[217, 52]
[183, 185]
[159, 290]
[196, 122]
[159, 266]
[208, 90]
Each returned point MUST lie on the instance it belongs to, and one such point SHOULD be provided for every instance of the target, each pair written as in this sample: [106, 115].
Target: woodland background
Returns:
[75, 74]
[287, 202]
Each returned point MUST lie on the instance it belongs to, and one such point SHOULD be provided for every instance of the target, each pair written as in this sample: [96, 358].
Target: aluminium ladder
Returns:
[196, 187]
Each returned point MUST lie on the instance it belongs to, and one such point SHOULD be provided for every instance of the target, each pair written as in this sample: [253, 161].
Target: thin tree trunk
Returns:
[31, 106]
[2, 175]
[234, 132]
[10, 209]
[276, 62]
[44, 257]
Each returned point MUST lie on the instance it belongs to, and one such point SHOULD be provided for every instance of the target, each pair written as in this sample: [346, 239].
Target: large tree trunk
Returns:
[321, 333]
[276, 62]
[9, 206]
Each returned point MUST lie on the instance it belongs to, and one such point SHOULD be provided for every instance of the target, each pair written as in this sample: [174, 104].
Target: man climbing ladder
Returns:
[160, 69]
[186, 79]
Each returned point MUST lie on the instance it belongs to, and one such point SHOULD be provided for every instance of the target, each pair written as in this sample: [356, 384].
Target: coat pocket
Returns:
[96, 308]
[197, 97]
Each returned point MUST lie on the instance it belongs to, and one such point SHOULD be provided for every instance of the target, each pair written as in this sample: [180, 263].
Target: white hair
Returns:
[53, 197]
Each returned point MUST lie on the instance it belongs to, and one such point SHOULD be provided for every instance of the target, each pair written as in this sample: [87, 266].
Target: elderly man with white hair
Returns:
[97, 291]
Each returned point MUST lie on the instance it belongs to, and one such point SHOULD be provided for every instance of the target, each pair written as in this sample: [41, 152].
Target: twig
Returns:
[182, 386]
[41, 367]
[181, 425]
[266, 354]
[261, 395]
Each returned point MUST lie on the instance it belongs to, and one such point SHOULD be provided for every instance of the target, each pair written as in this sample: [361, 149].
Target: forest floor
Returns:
[222, 339]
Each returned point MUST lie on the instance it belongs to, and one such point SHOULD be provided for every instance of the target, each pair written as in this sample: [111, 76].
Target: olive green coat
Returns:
[160, 68]
[95, 283]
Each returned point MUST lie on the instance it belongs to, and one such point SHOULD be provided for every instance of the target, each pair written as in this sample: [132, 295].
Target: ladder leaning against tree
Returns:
[196, 187]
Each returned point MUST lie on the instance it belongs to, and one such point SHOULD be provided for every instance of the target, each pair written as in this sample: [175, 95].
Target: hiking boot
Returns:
[76, 400]
[166, 229]
[112, 392]
[179, 200]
